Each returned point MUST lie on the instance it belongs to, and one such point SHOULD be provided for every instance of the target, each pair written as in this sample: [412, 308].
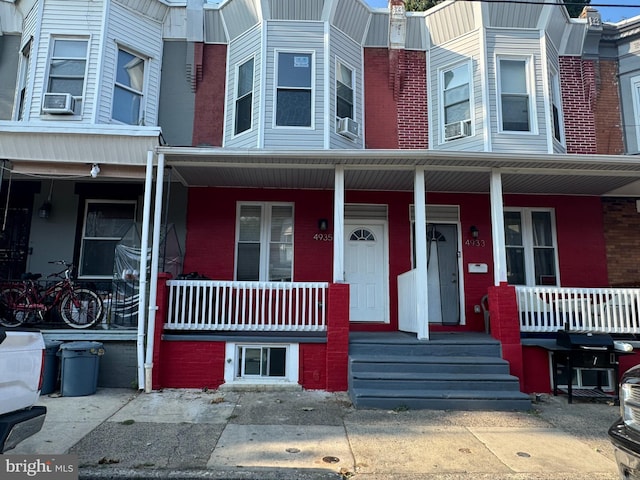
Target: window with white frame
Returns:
[128, 89]
[105, 223]
[261, 363]
[556, 106]
[244, 97]
[456, 101]
[294, 89]
[22, 79]
[515, 96]
[635, 94]
[264, 250]
[344, 92]
[531, 247]
[67, 68]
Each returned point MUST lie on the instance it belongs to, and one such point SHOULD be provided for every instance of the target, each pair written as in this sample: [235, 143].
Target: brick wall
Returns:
[208, 122]
[380, 107]
[621, 227]
[189, 364]
[609, 133]
[413, 120]
[578, 87]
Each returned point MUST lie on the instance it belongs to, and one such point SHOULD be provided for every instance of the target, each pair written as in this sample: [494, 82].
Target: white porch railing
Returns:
[247, 306]
[548, 309]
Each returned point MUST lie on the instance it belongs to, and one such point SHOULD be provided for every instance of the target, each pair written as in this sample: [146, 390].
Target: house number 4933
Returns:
[475, 243]
[323, 237]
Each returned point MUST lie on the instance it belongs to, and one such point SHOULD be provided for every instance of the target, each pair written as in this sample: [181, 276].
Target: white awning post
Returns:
[497, 228]
[142, 288]
[422, 295]
[338, 226]
[153, 288]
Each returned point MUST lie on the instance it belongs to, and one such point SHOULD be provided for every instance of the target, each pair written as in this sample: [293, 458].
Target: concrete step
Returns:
[433, 381]
[427, 364]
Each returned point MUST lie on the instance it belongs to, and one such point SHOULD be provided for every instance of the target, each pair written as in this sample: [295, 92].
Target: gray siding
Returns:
[451, 21]
[378, 31]
[245, 47]
[142, 36]
[352, 17]
[296, 10]
[573, 39]
[177, 101]
[303, 37]
[524, 44]
[214, 27]
[453, 53]
[512, 15]
[239, 16]
[629, 68]
[344, 49]
[416, 33]
[556, 26]
[9, 56]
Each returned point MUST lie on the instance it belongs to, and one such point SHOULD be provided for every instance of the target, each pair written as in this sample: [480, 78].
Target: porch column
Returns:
[142, 288]
[497, 227]
[153, 289]
[338, 226]
[422, 303]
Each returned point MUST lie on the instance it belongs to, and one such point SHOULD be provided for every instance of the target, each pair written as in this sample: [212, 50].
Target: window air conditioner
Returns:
[349, 128]
[58, 103]
[457, 130]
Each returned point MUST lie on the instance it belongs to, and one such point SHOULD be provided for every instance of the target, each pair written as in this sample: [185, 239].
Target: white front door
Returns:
[366, 260]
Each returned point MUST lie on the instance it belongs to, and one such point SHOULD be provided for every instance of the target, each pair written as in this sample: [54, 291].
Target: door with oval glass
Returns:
[443, 274]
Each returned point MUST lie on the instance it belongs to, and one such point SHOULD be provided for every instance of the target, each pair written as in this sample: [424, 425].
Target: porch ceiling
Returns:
[392, 170]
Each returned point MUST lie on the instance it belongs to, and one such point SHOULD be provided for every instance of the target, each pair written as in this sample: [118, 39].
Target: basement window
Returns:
[261, 363]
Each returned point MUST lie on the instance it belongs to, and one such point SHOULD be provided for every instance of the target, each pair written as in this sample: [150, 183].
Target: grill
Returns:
[587, 350]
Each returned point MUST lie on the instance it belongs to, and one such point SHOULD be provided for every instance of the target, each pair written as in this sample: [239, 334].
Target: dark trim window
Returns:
[344, 91]
[556, 106]
[128, 89]
[515, 100]
[294, 89]
[244, 97]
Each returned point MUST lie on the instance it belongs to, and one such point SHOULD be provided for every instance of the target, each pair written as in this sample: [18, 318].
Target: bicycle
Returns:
[26, 301]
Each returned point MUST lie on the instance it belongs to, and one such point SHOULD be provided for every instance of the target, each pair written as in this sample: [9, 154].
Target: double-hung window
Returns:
[515, 96]
[344, 91]
[556, 106]
[456, 101]
[23, 78]
[128, 89]
[105, 223]
[244, 97]
[635, 94]
[294, 89]
[530, 242]
[67, 68]
[264, 250]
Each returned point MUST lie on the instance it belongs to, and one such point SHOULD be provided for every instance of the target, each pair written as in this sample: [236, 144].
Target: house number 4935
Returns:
[323, 237]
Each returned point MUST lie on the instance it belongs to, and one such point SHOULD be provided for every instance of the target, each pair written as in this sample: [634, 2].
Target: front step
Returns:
[450, 371]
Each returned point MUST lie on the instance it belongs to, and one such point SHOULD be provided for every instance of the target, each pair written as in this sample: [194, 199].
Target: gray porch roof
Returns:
[393, 170]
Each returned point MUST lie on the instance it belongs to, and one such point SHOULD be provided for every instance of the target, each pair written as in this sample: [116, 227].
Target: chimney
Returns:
[397, 24]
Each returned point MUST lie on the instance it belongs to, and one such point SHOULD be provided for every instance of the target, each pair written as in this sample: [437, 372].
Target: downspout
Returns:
[142, 288]
[153, 288]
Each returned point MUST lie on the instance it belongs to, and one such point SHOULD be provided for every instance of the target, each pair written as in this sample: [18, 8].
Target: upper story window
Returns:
[264, 242]
[244, 97]
[530, 241]
[556, 106]
[105, 223]
[67, 69]
[635, 94]
[294, 89]
[515, 96]
[344, 91]
[128, 89]
[25, 59]
[456, 101]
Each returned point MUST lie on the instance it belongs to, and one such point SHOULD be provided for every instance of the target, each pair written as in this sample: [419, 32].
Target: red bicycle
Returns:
[27, 302]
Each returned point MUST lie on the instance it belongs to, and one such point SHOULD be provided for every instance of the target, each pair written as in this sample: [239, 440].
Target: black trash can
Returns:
[80, 362]
[51, 368]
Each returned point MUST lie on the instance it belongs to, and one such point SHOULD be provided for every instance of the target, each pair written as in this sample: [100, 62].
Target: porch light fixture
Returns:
[474, 231]
[45, 209]
[323, 224]
[95, 170]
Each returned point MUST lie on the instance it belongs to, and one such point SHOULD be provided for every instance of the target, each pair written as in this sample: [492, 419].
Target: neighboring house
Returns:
[335, 172]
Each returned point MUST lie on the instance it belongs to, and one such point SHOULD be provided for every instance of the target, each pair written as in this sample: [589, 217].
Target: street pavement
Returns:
[285, 434]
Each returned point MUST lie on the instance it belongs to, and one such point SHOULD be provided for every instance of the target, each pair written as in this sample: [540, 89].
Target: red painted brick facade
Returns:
[505, 326]
[609, 132]
[578, 88]
[413, 120]
[208, 122]
[380, 107]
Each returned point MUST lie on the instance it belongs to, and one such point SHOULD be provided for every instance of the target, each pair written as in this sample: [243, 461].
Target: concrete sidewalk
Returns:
[309, 434]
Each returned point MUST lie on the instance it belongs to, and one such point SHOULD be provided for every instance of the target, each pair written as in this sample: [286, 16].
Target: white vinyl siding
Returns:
[247, 46]
[284, 37]
[465, 49]
[142, 36]
[635, 94]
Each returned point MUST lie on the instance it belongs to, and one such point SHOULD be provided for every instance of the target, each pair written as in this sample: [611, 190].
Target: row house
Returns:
[404, 205]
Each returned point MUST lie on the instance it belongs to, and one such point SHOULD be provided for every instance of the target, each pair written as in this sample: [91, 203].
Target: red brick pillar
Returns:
[505, 326]
[337, 337]
[162, 301]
